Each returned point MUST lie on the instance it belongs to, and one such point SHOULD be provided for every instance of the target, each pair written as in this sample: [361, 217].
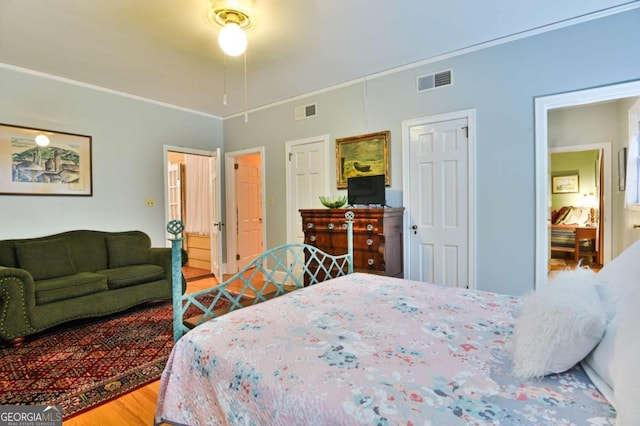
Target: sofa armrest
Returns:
[17, 302]
[161, 256]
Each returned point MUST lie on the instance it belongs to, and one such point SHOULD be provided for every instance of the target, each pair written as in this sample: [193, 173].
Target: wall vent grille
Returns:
[434, 81]
[306, 111]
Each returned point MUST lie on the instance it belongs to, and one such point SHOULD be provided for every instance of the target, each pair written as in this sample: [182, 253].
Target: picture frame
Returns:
[622, 169]
[565, 184]
[61, 167]
[363, 155]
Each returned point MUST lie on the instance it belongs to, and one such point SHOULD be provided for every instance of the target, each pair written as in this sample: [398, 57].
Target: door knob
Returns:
[415, 229]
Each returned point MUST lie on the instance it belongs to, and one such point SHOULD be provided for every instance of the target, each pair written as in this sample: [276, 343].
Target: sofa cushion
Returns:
[126, 250]
[68, 287]
[45, 259]
[132, 275]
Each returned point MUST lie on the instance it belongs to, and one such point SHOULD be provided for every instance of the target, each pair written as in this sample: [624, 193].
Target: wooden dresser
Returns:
[377, 237]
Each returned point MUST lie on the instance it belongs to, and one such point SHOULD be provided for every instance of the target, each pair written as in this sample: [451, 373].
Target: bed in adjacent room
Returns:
[368, 349]
[572, 230]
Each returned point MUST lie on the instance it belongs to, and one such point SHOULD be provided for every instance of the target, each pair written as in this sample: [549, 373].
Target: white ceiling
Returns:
[166, 50]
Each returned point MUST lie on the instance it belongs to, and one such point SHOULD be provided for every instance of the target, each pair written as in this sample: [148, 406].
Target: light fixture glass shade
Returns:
[232, 40]
[42, 140]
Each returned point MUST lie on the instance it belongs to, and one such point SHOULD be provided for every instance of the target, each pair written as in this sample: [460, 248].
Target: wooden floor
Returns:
[559, 264]
[136, 407]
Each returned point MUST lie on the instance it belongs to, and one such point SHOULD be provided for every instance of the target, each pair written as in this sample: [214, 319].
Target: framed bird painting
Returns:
[364, 155]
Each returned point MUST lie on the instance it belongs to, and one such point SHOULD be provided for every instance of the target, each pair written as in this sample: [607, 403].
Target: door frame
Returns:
[192, 151]
[605, 256]
[325, 139]
[542, 105]
[231, 266]
[165, 157]
[470, 115]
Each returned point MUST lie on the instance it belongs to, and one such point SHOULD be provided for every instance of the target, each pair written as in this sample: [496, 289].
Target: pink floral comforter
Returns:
[364, 349]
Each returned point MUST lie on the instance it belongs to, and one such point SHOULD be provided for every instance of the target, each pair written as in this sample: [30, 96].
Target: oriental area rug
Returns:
[85, 363]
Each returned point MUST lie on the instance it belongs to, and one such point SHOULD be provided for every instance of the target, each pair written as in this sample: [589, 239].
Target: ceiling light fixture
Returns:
[233, 16]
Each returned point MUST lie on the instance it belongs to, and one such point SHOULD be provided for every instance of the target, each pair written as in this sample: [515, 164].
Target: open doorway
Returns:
[621, 95]
[577, 205]
[192, 194]
[245, 207]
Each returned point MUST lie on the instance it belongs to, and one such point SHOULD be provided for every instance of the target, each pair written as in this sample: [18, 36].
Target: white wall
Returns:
[128, 136]
[501, 82]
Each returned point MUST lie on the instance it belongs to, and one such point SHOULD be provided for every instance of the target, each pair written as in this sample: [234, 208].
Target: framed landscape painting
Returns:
[364, 155]
[565, 184]
[44, 162]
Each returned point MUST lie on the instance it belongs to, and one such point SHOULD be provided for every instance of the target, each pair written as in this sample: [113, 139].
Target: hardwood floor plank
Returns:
[134, 408]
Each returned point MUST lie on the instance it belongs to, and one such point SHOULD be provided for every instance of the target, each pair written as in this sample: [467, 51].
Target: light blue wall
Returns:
[128, 136]
[501, 83]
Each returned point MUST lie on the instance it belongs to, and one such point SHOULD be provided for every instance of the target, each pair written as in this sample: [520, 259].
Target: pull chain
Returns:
[224, 97]
[246, 103]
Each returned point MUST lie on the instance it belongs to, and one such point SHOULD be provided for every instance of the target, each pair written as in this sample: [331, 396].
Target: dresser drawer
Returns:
[369, 260]
[339, 240]
[333, 224]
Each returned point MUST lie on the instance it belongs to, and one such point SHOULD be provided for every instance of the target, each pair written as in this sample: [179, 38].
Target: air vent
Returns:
[433, 81]
[305, 111]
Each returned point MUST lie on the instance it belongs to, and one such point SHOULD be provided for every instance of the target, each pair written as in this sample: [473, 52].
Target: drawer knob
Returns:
[369, 241]
[369, 227]
[330, 226]
[310, 225]
[344, 226]
[371, 262]
[312, 238]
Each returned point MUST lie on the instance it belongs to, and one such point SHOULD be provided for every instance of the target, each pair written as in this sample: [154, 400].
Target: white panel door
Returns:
[216, 209]
[439, 241]
[249, 204]
[307, 181]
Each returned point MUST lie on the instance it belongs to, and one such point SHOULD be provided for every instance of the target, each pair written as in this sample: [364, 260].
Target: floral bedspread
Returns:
[365, 349]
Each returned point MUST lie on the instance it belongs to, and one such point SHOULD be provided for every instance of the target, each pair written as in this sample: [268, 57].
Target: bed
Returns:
[367, 349]
[571, 230]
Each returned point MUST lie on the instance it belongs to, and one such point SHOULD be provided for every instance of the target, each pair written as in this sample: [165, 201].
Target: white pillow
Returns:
[621, 278]
[559, 325]
[625, 368]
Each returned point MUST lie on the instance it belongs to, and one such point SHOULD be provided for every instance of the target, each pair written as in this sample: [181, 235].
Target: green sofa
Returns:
[77, 274]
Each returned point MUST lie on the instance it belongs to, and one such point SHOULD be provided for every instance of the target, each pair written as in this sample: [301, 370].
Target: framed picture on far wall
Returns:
[364, 155]
[622, 169]
[565, 184]
[44, 162]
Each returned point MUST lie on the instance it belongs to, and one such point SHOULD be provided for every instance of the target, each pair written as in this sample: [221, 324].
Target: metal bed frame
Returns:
[282, 269]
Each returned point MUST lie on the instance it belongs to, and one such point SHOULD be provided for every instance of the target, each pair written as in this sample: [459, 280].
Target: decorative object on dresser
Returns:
[377, 237]
[333, 202]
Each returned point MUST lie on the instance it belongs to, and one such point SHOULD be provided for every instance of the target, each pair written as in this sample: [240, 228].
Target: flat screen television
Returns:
[366, 190]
